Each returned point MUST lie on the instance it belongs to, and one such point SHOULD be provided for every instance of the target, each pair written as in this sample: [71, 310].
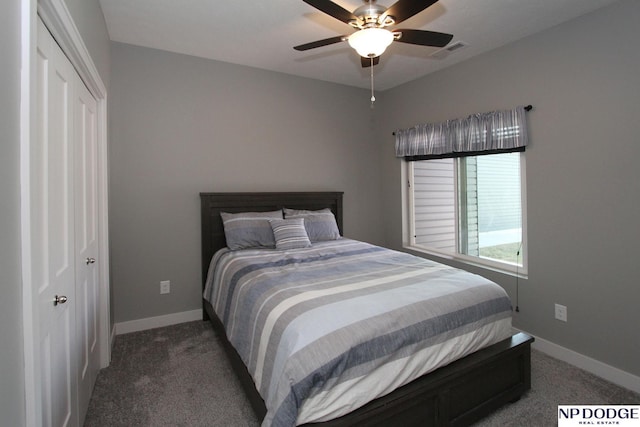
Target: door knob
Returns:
[59, 300]
[90, 260]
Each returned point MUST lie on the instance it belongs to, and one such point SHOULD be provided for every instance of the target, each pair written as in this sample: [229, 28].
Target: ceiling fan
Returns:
[371, 21]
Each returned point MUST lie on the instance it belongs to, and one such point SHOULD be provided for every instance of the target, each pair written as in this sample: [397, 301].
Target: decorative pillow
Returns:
[249, 229]
[321, 225]
[290, 233]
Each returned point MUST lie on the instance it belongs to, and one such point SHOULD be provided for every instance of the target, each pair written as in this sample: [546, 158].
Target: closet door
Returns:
[52, 234]
[86, 242]
[64, 237]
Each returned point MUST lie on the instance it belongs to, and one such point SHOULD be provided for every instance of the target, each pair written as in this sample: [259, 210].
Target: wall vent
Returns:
[447, 50]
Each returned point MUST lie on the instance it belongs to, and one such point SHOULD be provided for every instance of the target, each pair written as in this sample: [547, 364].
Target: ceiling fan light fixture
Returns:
[370, 42]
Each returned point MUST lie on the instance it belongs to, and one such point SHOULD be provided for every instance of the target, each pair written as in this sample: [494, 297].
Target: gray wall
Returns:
[583, 186]
[12, 404]
[181, 125]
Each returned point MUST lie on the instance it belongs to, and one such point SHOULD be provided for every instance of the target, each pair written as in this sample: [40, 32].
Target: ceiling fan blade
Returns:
[332, 9]
[405, 9]
[319, 43]
[366, 62]
[424, 38]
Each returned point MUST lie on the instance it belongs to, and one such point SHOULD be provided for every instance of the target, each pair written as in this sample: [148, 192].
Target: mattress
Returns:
[326, 329]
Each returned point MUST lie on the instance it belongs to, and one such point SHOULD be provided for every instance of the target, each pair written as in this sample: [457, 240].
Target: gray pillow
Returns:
[321, 225]
[249, 229]
[290, 233]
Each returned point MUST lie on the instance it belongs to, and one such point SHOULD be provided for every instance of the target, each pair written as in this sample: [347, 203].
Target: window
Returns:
[469, 208]
[466, 194]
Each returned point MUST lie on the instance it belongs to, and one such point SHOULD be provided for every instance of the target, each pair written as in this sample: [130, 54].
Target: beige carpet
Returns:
[180, 376]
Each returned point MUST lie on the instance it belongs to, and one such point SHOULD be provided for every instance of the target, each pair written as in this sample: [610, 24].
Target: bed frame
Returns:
[455, 395]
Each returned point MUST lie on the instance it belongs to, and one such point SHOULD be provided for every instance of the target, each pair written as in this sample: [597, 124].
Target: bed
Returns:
[458, 393]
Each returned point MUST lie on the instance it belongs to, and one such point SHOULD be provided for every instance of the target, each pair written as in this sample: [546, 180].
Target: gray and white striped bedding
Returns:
[325, 329]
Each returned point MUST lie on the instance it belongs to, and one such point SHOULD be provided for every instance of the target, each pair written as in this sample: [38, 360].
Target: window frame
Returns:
[408, 224]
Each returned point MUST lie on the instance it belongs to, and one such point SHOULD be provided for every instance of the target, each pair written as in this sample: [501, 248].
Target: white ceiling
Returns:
[262, 33]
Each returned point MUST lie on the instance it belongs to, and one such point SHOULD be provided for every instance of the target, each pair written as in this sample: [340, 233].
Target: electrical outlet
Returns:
[165, 286]
[561, 312]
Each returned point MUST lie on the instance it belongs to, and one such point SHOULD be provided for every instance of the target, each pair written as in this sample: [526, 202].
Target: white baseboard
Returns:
[157, 322]
[600, 369]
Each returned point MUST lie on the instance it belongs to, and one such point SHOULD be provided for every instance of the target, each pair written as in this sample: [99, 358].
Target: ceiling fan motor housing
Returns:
[371, 15]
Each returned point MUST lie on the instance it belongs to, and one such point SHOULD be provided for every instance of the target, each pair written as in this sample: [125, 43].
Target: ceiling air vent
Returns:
[446, 51]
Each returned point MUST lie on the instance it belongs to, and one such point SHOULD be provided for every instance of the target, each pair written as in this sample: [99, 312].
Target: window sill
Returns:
[489, 265]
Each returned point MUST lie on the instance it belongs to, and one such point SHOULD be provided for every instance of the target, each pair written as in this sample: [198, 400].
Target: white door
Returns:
[64, 237]
[86, 243]
[52, 234]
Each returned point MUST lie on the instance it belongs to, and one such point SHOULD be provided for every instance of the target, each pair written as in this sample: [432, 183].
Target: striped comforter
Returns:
[326, 329]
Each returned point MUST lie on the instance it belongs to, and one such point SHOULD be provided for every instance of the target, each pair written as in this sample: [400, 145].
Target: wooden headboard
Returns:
[214, 203]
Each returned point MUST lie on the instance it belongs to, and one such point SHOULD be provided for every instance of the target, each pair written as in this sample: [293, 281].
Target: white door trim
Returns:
[56, 17]
[58, 20]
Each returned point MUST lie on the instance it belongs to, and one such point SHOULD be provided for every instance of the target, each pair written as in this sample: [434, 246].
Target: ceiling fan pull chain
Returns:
[373, 98]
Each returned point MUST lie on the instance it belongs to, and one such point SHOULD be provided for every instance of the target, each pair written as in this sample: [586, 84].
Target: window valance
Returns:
[481, 133]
